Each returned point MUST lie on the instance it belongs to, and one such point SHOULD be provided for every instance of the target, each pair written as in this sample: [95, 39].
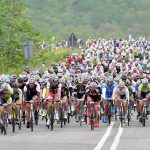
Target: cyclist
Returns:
[53, 94]
[107, 92]
[79, 92]
[121, 92]
[93, 94]
[6, 97]
[17, 98]
[31, 92]
[143, 92]
[64, 95]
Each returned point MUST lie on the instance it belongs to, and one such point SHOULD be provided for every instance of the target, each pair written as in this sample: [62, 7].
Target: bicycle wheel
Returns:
[92, 119]
[20, 112]
[109, 114]
[13, 121]
[115, 114]
[129, 115]
[31, 121]
[5, 126]
[68, 117]
[52, 119]
[36, 117]
[23, 117]
[121, 117]
[61, 117]
[143, 121]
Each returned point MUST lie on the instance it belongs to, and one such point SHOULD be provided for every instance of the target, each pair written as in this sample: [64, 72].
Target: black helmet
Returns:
[14, 86]
[20, 80]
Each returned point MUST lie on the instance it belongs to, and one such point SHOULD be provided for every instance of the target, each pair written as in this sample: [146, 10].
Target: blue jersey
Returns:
[109, 90]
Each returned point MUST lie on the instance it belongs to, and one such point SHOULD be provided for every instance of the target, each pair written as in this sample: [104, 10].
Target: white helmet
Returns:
[145, 81]
[110, 79]
[5, 86]
[121, 84]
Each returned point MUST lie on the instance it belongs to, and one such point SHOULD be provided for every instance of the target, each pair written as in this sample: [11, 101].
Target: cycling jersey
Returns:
[31, 92]
[95, 95]
[64, 92]
[144, 89]
[6, 96]
[17, 95]
[108, 90]
[80, 91]
[123, 93]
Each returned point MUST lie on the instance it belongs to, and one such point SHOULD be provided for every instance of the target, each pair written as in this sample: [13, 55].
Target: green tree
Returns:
[15, 28]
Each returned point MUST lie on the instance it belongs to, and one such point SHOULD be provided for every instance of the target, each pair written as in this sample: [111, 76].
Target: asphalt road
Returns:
[74, 137]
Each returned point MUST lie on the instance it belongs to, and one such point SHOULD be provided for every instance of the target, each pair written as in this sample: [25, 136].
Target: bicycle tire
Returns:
[143, 122]
[68, 118]
[128, 115]
[5, 131]
[115, 114]
[19, 125]
[13, 126]
[36, 117]
[92, 119]
[109, 114]
[121, 117]
[24, 120]
[61, 117]
[31, 121]
[52, 119]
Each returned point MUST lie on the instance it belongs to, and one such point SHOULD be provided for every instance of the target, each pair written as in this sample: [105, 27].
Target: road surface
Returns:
[74, 137]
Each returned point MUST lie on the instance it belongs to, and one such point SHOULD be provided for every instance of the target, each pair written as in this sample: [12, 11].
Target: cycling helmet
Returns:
[124, 77]
[121, 84]
[20, 80]
[110, 79]
[5, 86]
[56, 79]
[63, 81]
[31, 80]
[14, 85]
[92, 84]
[145, 81]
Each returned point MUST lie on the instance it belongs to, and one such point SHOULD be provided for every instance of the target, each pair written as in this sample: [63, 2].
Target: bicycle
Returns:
[81, 112]
[31, 114]
[51, 116]
[61, 113]
[14, 116]
[110, 104]
[121, 112]
[92, 115]
[129, 112]
[144, 112]
[5, 120]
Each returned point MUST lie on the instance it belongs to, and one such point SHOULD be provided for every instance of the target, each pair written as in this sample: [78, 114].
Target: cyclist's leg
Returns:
[89, 99]
[65, 104]
[96, 101]
[117, 103]
[9, 109]
[1, 114]
[105, 111]
[125, 107]
[57, 106]
[27, 113]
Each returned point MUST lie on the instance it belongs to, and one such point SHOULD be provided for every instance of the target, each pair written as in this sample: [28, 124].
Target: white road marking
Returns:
[104, 138]
[117, 138]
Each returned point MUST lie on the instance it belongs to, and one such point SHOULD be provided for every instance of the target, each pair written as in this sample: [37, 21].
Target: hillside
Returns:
[105, 18]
